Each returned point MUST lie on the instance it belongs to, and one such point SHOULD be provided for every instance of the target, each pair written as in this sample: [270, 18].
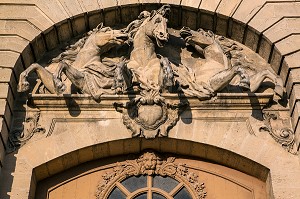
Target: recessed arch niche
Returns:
[151, 174]
[181, 16]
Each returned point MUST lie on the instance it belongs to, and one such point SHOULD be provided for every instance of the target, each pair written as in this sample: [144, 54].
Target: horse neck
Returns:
[87, 54]
[143, 48]
[213, 51]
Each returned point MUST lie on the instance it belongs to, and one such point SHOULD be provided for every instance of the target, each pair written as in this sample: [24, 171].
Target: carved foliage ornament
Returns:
[31, 126]
[151, 164]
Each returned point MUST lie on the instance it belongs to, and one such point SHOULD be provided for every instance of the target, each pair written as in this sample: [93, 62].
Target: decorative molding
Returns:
[150, 164]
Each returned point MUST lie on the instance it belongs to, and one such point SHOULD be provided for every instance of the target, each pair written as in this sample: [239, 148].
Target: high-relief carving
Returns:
[31, 126]
[280, 130]
[146, 62]
[149, 115]
[150, 163]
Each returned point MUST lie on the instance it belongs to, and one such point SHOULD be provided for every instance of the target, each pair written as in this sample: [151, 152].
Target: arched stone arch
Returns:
[33, 166]
[26, 37]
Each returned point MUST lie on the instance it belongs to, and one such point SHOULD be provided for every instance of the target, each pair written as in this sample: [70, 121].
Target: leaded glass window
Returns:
[150, 187]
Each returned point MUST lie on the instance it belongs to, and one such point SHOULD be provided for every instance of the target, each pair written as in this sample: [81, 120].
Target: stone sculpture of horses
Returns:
[219, 69]
[82, 65]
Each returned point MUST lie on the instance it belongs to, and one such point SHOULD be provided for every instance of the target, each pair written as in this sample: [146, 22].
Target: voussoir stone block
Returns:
[295, 115]
[290, 62]
[295, 97]
[4, 131]
[29, 12]
[22, 28]
[78, 25]
[209, 5]
[64, 31]
[191, 3]
[106, 4]
[237, 31]
[283, 28]
[94, 19]
[72, 7]
[293, 78]
[189, 18]
[13, 43]
[129, 13]
[2, 155]
[127, 2]
[265, 48]
[227, 7]
[251, 38]
[172, 2]
[6, 93]
[90, 5]
[271, 12]
[149, 1]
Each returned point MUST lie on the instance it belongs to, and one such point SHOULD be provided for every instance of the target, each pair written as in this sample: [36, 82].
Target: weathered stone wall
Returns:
[271, 28]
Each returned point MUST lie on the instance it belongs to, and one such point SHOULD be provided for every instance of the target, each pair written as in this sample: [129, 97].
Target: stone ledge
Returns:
[220, 102]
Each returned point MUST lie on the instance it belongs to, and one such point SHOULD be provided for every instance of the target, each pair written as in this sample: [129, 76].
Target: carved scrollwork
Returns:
[283, 135]
[150, 163]
[31, 126]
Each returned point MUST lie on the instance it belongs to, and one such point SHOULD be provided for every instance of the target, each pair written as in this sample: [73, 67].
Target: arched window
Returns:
[150, 187]
[150, 177]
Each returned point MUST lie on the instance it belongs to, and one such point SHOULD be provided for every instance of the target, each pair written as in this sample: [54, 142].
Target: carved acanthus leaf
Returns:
[280, 133]
[31, 126]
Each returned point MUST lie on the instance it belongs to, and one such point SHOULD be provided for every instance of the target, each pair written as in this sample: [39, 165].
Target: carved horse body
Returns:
[144, 63]
[82, 65]
[220, 70]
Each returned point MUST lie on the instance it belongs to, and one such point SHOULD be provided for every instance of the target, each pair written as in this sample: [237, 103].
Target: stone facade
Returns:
[220, 132]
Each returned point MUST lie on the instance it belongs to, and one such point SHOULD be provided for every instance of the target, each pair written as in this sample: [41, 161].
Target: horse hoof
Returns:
[279, 87]
[24, 86]
[245, 86]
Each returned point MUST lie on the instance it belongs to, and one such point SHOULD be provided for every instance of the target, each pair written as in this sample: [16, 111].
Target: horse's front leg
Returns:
[75, 76]
[257, 79]
[220, 80]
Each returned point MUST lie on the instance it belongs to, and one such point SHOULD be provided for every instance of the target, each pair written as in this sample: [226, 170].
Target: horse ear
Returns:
[211, 33]
[153, 12]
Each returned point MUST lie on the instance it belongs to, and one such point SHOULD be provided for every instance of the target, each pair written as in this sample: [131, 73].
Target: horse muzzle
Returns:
[161, 40]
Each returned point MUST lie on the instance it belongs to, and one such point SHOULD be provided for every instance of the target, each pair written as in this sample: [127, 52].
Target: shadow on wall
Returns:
[7, 173]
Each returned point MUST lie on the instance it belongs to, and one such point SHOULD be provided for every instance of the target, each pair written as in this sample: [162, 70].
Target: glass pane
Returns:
[134, 183]
[183, 194]
[165, 183]
[157, 196]
[116, 194]
[142, 196]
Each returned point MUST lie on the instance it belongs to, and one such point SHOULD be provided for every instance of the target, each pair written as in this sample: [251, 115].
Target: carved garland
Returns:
[151, 164]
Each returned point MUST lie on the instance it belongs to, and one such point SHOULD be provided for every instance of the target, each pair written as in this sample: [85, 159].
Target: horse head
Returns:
[199, 38]
[107, 38]
[156, 25]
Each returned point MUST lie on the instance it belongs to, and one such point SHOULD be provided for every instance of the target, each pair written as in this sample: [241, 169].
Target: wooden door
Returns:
[151, 176]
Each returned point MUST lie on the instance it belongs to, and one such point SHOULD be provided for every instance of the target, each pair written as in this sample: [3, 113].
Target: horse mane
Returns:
[71, 51]
[235, 52]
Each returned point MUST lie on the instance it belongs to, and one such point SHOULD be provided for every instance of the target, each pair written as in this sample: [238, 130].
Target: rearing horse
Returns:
[143, 62]
[219, 69]
[82, 65]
